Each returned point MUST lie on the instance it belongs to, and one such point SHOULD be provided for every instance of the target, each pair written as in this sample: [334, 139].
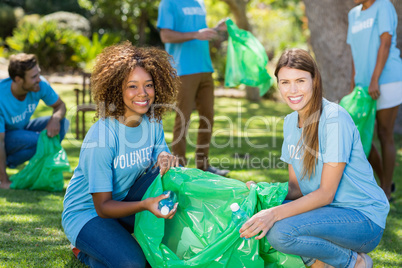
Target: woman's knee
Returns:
[279, 237]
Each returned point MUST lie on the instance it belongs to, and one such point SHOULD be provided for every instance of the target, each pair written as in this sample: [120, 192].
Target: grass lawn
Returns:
[247, 139]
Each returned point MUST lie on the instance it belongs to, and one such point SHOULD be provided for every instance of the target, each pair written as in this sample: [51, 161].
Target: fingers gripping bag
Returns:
[45, 169]
[202, 233]
[362, 108]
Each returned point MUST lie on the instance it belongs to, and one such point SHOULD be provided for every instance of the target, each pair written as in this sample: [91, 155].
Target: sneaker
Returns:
[75, 251]
[217, 171]
[368, 262]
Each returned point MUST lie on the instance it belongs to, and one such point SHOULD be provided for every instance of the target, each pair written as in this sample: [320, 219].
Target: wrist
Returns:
[145, 204]
[56, 117]
[276, 213]
[374, 80]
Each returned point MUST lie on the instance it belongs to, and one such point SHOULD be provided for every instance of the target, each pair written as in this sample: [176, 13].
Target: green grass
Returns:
[244, 134]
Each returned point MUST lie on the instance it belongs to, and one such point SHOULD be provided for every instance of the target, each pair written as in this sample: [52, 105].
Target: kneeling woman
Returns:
[338, 213]
[133, 88]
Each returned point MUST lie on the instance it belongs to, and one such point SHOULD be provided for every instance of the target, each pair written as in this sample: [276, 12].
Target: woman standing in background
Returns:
[376, 64]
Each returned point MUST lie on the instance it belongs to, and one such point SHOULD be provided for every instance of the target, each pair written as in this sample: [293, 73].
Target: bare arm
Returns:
[382, 57]
[170, 36]
[265, 219]
[293, 185]
[5, 183]
[59, 111]
[106, 207]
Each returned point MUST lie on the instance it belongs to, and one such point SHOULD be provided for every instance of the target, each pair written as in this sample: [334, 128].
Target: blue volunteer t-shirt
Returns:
[112, 157]
[364, 31]
[193, 56]
[339, 142]
[15, 114]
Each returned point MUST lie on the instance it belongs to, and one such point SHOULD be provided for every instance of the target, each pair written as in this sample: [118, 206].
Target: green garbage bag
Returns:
[45, 169]
[201, 234]
[362, 108]
[246, 60]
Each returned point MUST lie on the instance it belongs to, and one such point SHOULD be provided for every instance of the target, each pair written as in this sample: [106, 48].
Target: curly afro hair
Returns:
[114, 65]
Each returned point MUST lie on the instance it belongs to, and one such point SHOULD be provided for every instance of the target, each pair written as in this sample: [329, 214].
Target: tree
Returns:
[328, 23]
[132, 19]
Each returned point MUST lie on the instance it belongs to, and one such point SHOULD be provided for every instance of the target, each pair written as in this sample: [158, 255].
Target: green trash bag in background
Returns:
[45, 169]
[202, 234]
[362, 108]
[246, 61]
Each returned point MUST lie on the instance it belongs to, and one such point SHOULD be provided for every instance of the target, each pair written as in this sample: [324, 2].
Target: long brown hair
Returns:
[302, 60]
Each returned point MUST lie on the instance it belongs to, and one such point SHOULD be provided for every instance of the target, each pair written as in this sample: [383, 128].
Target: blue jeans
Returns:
[330, 234]
[108, 242]
[20, 144]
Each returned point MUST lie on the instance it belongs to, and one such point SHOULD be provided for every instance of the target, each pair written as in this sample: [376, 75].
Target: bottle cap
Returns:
[165, 210]
[234, 207]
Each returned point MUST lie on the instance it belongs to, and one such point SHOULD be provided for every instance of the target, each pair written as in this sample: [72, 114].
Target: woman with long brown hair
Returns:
[338, 211]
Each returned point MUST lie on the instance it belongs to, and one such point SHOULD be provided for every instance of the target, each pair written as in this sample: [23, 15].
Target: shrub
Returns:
[54, 46]
[72, 21]
[8, 21]
[87, 50]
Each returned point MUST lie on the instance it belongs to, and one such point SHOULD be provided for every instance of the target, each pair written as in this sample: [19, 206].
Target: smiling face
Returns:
[296, 88]
[30, 83]
[138, 95]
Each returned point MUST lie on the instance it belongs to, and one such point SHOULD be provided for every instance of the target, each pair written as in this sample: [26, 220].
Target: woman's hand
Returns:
[249, 184]
[151, 204]
[260, 222]
[374, 90]
[166, 161]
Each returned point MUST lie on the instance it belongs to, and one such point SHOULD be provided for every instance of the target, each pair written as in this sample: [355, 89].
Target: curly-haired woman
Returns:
[132, 87]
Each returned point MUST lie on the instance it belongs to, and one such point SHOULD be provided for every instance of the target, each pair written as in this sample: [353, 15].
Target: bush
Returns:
[58, 48]
[54, 46]
[87, 50]
[68, 20]
[8, 21]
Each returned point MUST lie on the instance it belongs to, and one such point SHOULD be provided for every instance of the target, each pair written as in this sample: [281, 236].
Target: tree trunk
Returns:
[328, 24]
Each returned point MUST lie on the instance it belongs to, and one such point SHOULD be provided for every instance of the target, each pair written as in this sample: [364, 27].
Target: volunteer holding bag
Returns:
[132, 88]
[339, 212]
[377, 64]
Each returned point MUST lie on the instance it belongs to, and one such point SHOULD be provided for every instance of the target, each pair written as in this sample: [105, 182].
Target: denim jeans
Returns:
[332, 235]
[108, 242]
[20, 144]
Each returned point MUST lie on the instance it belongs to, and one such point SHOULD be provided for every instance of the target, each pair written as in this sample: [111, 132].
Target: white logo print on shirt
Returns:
[18, 118]
[294, 152]
[132, 158]
[362, 25]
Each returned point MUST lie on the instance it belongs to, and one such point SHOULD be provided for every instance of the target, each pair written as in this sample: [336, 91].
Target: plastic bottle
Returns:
[239, 216]
[167, 204]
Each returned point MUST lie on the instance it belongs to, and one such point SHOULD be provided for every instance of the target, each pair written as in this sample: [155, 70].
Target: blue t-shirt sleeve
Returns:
[48, 95]
[386, 18]
[166, 15]
[98, 161]
[337, 138]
